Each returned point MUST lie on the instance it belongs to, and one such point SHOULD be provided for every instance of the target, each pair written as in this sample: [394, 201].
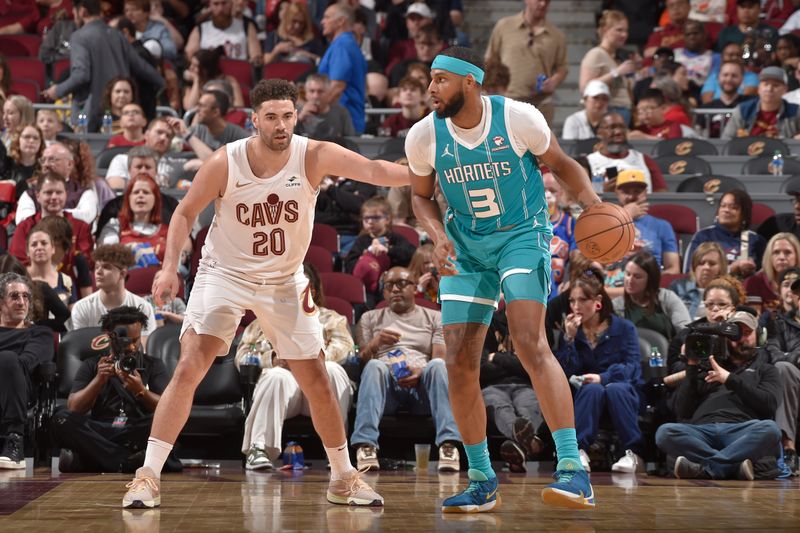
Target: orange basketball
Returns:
[605, 233]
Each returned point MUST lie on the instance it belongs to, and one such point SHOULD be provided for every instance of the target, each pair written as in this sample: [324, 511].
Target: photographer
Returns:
[728, 402]
[109, 411]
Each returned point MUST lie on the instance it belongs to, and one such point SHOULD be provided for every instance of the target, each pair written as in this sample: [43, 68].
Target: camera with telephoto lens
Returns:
[705, 340]
[124, 359]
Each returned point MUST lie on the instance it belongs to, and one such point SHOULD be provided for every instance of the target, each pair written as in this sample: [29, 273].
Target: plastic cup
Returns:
[423, 452]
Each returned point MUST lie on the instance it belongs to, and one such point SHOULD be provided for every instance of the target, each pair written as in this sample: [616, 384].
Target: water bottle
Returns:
[777, 163]
[597, 182]
[657, 362]
[540, 79]
[108, 123]
[83, 124]
[353, 357]
[252, 357]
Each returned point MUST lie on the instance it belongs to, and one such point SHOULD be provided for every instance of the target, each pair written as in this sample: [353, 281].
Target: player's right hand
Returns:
[445, 253]
[165, 287]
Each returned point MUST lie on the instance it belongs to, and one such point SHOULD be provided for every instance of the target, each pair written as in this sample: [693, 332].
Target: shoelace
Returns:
[564, 476]
[150, 482]
[632, 455]
[356, 481]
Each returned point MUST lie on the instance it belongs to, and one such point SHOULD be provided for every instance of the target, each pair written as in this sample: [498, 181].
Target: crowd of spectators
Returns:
[78, 226]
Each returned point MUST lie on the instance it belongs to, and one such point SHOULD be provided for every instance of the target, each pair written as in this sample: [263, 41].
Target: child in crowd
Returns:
[50, 124]
[132, 123]
[378, 248]
[652, 123]
[412, 104]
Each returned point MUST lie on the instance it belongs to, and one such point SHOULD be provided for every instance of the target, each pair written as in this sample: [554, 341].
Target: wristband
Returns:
[140, 394]
[188, 136]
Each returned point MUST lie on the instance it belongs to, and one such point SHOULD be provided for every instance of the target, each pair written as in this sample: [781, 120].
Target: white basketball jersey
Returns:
[233, 38]
[262, 226]
[634, 160]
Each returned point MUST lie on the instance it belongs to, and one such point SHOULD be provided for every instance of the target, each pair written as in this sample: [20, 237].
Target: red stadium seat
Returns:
[27, 88]
[667, 279]
[325, 236]
[684, 221]
[28, 44]
[239, 69]
[140, 281]
[344, 286]
[320, 257]
[342, 307]
[286, 70]
[761, 212]
[197, 251]
[408, 232]
[27, 68]
[59, 67]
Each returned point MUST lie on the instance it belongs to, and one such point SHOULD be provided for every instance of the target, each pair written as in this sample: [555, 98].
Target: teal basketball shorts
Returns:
[516, 261]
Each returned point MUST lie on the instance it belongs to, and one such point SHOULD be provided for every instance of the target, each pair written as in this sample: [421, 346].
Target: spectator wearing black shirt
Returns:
[727, 412]
[109, 411]
[23, 347]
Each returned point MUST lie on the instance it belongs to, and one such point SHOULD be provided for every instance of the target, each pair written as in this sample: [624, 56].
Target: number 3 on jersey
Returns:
[484, 199]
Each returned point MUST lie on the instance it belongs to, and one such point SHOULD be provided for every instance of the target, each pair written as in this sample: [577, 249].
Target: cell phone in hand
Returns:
[384, 241]
[611, 173]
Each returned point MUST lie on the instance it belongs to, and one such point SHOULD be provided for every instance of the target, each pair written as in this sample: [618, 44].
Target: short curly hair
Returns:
[118, 255]
[274, 89]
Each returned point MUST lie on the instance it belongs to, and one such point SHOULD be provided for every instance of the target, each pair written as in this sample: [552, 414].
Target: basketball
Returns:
[604, 233]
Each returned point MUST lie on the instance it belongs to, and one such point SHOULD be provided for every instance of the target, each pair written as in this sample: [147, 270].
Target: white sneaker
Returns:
[630, 463]
[449, 458]
[257, 459]
[367, 458]
[585, 461]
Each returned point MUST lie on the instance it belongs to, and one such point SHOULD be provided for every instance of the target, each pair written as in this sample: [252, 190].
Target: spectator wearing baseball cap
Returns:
[785, 222]
[418, 16]
[583, 124]
[768, 115]
[653, 234]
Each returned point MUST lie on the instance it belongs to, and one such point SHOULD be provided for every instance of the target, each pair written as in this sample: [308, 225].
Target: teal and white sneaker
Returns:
[572, 488]
[479, 497]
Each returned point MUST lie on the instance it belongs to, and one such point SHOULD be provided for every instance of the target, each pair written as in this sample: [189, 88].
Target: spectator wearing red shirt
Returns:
[418, 16]
[132, 122]
[671, 35]
[18, 16]
[411, 98]
[653, 126]
[52, 197]
[56, 10]
[768, 115]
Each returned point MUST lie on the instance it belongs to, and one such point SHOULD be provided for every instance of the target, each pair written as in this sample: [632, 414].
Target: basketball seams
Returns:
[616, 236]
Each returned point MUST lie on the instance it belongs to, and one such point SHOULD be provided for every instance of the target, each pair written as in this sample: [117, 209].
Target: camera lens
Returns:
[127, 363]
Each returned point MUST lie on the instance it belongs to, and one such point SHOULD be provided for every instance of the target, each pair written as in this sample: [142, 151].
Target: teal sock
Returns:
[478, 458]
[566, 447]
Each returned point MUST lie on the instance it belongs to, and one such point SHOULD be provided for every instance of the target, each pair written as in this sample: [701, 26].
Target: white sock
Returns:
[156, 454]
[339, 457]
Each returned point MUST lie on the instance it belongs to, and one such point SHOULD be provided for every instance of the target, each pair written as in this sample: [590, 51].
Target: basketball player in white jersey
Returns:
[264, 189]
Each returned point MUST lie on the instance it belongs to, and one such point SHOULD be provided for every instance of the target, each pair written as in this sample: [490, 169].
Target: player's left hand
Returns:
[411, 381]
[445, 253]
[717, 374]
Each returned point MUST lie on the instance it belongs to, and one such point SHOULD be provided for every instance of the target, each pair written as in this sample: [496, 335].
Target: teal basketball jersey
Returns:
[489, 187]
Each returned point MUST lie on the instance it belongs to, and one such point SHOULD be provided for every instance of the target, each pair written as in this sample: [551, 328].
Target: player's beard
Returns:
[276, 146]
[451, 109]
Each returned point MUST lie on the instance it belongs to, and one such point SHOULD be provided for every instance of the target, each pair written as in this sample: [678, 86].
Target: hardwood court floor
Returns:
[216, 501]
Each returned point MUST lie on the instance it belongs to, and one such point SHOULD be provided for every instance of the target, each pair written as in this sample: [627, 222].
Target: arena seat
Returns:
[341, 306]
[585, 146]
[325, 236]
[26, 43]
[410, 234]
[27, 88]
[105, 157]
[684, 221]
[667, 279]
[344, 286]
[755, 146]
[291, 71]
[680, 164]
[684, 146]
[762, 165]
[76, 347]
[27, 68]
[320, 257]
[59, 67]
[761, 212]
[710, 185]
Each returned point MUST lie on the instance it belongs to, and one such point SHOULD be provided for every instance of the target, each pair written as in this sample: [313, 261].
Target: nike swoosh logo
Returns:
[239, 184]
[491, 494]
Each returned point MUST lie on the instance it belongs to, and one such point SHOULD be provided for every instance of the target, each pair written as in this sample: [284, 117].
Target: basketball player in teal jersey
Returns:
[496, 236]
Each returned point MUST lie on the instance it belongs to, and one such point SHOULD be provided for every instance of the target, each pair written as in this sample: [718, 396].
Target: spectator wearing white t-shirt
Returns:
[583, 124]
[111, 264]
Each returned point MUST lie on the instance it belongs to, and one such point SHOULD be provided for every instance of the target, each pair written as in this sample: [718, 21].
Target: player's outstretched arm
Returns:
[571, 173]
[209, 183]
[330, 159]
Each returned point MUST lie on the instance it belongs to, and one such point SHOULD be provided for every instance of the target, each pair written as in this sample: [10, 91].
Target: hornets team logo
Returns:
[499, 143]
[307, 301]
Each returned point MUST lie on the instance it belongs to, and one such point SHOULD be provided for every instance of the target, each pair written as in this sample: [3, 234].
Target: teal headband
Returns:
[457, 66]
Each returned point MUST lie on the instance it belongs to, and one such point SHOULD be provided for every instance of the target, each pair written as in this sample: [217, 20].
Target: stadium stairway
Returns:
[576, 18]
